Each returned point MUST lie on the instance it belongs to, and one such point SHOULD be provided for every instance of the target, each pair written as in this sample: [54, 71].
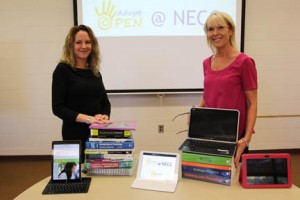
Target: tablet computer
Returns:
[66, 169]
[266, 170]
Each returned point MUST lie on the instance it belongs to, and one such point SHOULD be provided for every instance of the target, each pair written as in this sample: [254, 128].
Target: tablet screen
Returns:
[267, 171]
[66, 162]
[158, 166]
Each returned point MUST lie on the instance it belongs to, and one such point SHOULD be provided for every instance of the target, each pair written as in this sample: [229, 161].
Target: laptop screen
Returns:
[214, 124]
[158, 166]
[66, 161]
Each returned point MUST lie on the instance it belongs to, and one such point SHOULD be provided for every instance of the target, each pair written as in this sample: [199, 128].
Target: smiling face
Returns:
[219, 29]
[82, 47]
[218, 33]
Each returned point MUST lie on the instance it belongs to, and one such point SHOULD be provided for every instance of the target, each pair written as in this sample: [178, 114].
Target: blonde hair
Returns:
[220, 19]
[68, 56]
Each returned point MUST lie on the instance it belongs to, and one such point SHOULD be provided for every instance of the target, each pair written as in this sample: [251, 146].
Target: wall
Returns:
[31, 38]
[272, 38]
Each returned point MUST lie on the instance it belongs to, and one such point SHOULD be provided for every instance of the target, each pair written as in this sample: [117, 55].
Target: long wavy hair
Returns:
[220, 19]
[68, 57]
[68, 169]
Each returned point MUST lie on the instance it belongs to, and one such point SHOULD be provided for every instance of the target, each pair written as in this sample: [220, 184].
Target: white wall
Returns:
[272, 38]
[31, 38]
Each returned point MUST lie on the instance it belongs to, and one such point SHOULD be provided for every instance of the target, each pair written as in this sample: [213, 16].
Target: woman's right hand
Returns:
[102, 119]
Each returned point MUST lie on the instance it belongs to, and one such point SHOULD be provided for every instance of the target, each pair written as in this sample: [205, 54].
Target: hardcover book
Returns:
[204, 165]
[109, 156]
[116, 125]
[207, 171]
[109, 145]
[97, 133]
[96, 164]
[110, 172]
[116, 139]
[208, 159]
[108, 151]
[209, 168]
[213, 179]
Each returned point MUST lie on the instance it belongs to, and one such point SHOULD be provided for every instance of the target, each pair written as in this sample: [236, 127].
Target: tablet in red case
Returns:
[266, 171]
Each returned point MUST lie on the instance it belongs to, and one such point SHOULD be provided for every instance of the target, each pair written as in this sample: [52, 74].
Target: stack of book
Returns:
[209, 168]
[109, 150]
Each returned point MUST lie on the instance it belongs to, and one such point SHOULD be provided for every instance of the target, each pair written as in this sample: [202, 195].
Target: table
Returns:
[118, 188]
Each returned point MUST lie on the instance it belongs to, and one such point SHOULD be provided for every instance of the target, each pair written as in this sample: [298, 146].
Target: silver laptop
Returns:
[212, 131]
[157, 171]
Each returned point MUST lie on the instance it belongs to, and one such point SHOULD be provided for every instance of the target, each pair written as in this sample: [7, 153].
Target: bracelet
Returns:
[88, 120]
[245, 141]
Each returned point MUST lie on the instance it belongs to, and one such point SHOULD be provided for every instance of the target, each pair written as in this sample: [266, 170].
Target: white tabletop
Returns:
[118, 187]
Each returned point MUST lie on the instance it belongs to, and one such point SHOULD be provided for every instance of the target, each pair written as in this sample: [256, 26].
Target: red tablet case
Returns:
[258, 169]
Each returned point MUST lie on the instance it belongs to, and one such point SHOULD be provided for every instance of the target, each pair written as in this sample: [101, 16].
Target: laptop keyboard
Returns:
[65, 188]
[210, 144]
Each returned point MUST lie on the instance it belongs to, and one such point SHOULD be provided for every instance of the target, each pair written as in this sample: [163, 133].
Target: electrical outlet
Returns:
[161, 129]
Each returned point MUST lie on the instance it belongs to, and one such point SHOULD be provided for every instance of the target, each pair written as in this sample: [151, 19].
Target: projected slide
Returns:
[151, 18]
[154, 45]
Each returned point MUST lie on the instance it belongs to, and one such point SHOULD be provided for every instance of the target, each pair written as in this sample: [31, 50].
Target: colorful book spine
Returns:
[213, 179]
[207, 171]
[108, 151]
[98, 133]
[109, 145]
[109, 156]
[110, 172]
[99, 164]
[115, 125]
[208, 159]
[111, 139]
[204, 165]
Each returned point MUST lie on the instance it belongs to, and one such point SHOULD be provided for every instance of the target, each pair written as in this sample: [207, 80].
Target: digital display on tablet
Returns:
[266, 170]
[66, 161]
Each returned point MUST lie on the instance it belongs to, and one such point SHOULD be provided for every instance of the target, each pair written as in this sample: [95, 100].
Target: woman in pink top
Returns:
[230, 78]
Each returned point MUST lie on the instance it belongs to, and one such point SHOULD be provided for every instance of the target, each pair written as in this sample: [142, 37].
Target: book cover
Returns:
[97, 133]
[103, 163]
[110, 172]
[116, 125]
[105, 151]
[208, 159]
[109, 145]
[212, 179]
[207, 171]
[101, 139]
[108, 151]
[197, 164]
[109, 156]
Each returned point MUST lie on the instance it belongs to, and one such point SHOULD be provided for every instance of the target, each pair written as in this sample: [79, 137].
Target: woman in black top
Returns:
[79, 97]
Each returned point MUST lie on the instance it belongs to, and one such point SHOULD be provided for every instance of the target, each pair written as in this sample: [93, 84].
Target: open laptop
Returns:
[157, 171]
[66, 169]
[266, 170]
[212, 131]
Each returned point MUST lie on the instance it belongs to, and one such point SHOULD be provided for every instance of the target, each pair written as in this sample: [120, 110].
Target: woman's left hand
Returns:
[241, 146]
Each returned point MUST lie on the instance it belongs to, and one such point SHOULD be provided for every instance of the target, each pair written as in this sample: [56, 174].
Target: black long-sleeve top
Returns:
[77, 91]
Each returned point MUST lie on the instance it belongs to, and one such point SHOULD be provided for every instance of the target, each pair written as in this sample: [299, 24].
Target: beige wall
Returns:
[272, 38]
[31, 38]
